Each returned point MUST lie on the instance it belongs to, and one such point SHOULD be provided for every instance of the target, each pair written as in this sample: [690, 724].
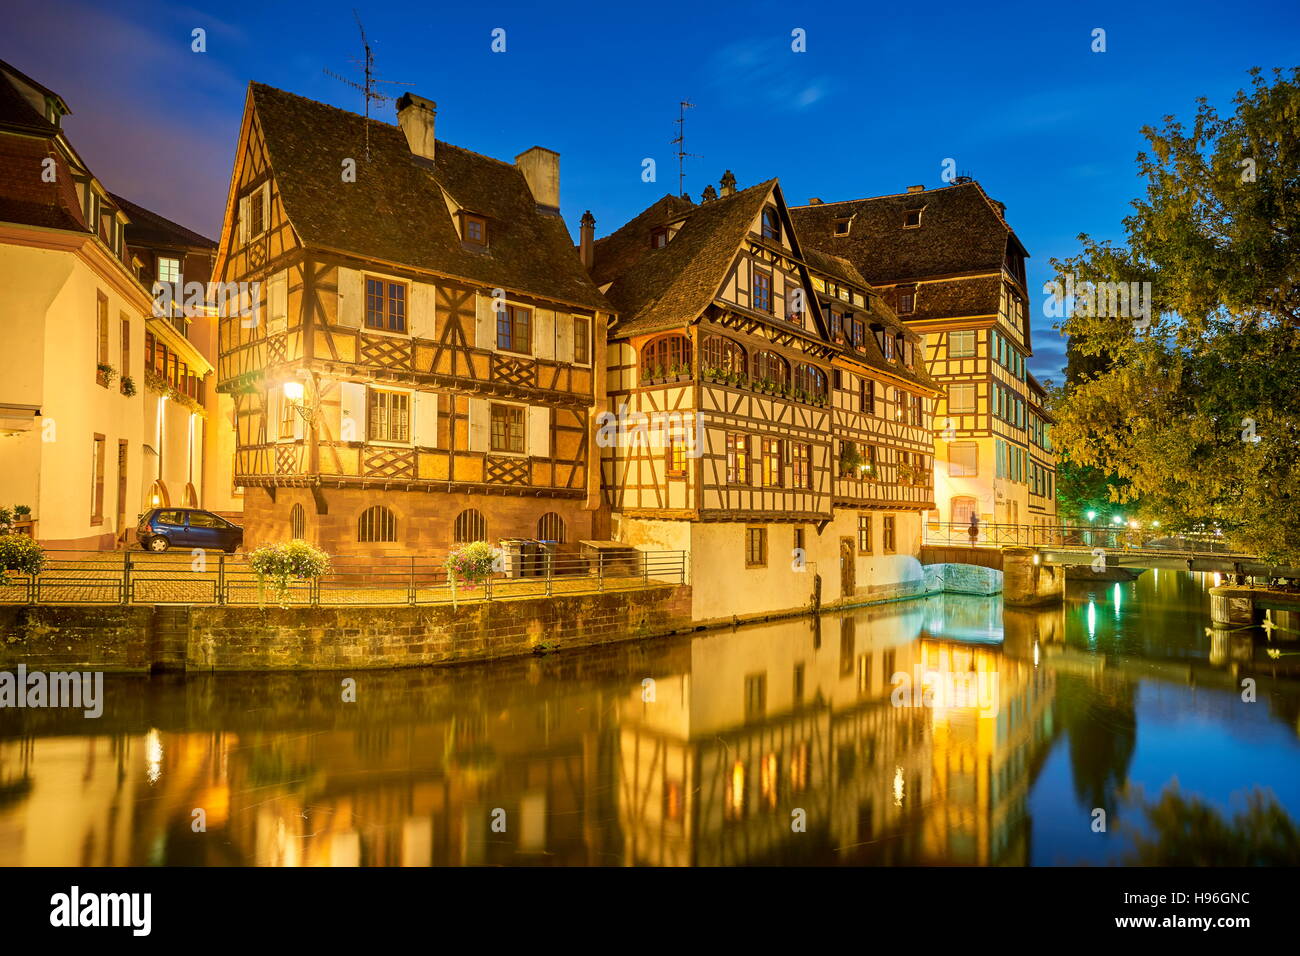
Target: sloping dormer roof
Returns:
[396, 211]
[664, 288]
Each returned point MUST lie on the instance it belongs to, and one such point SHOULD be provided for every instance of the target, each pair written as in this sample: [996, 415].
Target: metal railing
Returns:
[215, 578]
[1077, 537]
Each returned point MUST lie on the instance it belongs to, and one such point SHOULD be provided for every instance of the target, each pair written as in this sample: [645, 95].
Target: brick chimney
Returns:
[541, 169]
[415, 114]
[916, 189]
[815, 201]
[728, 183]
[587, 240]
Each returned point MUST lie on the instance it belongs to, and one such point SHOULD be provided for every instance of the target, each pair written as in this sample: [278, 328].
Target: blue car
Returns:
[163, 528]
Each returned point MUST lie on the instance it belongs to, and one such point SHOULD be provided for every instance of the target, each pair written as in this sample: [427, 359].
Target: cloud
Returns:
[767, 72]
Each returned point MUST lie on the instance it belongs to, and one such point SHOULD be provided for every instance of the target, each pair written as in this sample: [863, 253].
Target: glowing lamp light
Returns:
[293, 391]
[1155, 524]
[156, 501]
[1038, 559]
[1092, 516]
[1132, 524]
[1117, 519]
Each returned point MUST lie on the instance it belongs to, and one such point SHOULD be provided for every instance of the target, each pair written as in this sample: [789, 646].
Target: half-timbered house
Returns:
[720, 438]
[425, 353]
[882, 402]
[954, 271]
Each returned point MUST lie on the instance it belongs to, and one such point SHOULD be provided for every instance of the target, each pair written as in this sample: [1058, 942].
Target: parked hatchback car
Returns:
[163, 528]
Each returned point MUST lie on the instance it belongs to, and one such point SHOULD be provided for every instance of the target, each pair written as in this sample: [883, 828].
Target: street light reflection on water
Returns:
[565, 759]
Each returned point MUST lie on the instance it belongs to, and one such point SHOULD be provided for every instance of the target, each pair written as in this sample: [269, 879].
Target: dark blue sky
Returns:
[883, 95]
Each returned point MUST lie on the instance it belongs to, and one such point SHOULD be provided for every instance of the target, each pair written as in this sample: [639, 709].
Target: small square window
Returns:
[658, 238]
[474, 229]
[912, 218]
[842, 227]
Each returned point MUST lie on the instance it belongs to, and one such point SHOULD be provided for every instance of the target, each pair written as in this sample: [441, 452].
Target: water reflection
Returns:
[793, 742]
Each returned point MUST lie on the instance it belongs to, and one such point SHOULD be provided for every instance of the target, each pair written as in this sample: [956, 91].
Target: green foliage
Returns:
[20, 554]
[1166, 413]
[281, 564]
[473, 563]
[1190, 832]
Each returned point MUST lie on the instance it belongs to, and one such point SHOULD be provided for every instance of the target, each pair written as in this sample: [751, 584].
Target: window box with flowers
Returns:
[104, 374]
[156, 383]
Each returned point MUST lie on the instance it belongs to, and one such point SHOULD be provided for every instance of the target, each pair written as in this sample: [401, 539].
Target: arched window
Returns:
[158, 497]
[810, 380]
[297, 522]
[723, 355]
[189, 497]
[550, 527]
[377, 524]
[666, 355]
[770, 367]
[470, 526]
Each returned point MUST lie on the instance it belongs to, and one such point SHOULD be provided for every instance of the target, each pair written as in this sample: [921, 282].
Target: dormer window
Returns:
[912, 219]
[842, 227]
[906, 303]
[473, 229]
[659, 238]
[771, 224]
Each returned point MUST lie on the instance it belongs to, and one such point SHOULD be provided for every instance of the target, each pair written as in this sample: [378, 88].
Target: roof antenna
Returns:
[369, 93]
[680, 142]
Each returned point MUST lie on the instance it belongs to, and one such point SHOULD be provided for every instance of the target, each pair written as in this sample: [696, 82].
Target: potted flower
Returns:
[471, 565]
[282, 564]
[850, 461]
[19, 554]
[128, 386]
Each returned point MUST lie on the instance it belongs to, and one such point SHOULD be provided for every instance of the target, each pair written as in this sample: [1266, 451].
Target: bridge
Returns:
[1082, 545]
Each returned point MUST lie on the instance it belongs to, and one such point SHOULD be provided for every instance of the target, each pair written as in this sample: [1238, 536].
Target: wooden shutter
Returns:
[352, 299]
[352, 412]
[539, 431]
[277, 302]
[426, 419]
[420, 311]
[485, 322]
[544, 333]
[563, 337]
[479, 414]
[244, 204]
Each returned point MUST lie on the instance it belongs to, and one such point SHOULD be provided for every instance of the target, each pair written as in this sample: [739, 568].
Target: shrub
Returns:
[20, 553]
[284, 563]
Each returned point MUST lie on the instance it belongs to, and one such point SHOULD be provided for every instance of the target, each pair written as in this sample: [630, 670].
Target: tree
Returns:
[1195, 407]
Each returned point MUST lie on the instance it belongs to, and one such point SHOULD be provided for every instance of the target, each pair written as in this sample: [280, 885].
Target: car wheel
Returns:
[158, 544]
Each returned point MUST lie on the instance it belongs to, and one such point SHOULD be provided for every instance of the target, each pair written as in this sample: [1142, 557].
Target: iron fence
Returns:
[216, 578]
[1077, 537]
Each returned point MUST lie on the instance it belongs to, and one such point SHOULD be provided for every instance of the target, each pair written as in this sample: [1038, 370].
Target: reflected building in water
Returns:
[793, 742]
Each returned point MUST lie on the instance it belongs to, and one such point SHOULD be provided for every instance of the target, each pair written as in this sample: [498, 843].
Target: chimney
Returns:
[728, 184]
[587, 240]
[541, 169]
[916, 189]
[415, 114]
[709, 194]
[815, 201]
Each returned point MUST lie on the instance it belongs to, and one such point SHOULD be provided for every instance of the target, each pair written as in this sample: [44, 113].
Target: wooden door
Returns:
[848, 568]
[122, 530]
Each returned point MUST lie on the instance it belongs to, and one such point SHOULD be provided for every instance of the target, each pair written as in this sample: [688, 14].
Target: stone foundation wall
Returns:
[962, 579]
[63, 637]
[142, 638]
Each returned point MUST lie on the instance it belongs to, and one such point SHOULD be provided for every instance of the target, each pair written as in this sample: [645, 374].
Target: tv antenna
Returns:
[680, 142]
[368, 91]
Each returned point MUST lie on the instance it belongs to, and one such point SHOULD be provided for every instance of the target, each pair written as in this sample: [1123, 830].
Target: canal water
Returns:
[947, 730]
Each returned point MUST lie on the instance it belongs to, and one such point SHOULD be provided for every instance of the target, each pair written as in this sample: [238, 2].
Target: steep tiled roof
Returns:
[840, 268]
[25, 196]
[148, 227]
[396, 210]
[961, 230]
[16, 111]
[666, 287]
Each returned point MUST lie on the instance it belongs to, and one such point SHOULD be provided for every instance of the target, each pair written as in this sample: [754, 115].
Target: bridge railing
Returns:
[1080, 537]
